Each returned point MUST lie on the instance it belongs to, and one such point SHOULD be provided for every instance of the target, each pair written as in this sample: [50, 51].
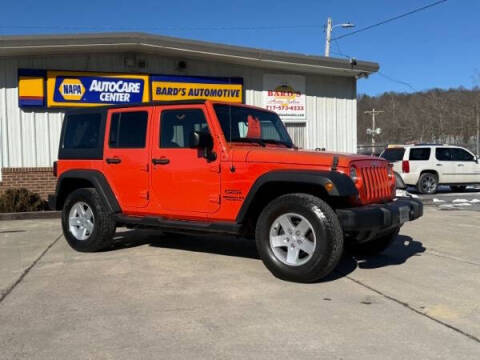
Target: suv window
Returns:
[82, 131]
[461, 155]
[419, 154]
[393, 154]
[443, 154]
[128, 129]
[177, 125]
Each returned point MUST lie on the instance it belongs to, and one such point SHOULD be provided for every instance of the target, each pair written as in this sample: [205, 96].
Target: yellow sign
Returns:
[172, 87]
[71, 89]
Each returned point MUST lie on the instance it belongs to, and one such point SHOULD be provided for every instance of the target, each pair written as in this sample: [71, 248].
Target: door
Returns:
[126, 156]
[444, 164]
[184, 181]
[468, 171]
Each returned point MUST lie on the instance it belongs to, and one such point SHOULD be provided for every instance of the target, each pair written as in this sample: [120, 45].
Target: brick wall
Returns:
[39, 180]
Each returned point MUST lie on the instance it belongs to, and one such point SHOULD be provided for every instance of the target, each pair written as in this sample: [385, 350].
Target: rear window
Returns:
[82, 131]
[419, 154]
[82, 135]
[393, 154]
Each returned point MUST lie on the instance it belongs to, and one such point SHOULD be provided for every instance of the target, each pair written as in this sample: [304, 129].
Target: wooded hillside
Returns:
[434, 116]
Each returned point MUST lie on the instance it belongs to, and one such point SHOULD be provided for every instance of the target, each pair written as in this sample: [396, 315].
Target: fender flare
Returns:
[99, 182]
[343, 185]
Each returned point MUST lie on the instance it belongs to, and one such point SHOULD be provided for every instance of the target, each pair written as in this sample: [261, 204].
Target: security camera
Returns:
[353, 61]
[181, 65]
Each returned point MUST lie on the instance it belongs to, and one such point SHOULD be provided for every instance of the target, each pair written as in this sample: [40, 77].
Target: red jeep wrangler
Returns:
[202, 166]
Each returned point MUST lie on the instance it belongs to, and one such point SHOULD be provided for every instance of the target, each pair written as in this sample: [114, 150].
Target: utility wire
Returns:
[389, 20]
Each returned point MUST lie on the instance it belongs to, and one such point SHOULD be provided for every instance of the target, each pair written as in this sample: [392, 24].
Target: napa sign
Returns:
[174, 87]
[73, 89]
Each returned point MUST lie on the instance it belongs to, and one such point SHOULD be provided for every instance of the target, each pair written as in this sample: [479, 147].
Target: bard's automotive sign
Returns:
[89, 89]
[49, 88]
[172, 87]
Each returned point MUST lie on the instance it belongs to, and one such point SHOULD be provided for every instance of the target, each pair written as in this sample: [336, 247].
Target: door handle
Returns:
[439, 165]
[460, 165]
[114, 160]
[161, 161]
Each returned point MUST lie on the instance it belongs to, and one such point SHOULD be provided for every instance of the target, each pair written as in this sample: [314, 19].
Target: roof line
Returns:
[54, 44]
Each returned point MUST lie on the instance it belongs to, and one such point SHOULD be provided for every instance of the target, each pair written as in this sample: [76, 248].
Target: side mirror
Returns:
[203, 141]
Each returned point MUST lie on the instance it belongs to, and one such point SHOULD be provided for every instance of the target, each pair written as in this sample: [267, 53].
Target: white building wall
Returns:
[29, 138]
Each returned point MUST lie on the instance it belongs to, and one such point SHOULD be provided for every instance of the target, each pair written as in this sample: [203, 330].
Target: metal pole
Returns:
[373, 131]
[328, 31]
[478, 130]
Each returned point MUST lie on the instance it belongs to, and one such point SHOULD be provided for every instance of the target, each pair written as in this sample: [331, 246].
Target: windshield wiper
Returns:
[260, 142]
[279, 142]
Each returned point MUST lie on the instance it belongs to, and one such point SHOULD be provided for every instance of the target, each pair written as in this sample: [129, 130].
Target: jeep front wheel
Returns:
[87, 226]
[299, 238]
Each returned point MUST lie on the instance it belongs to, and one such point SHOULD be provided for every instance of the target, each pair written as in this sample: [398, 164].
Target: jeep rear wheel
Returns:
[299, 238]
[87, 226]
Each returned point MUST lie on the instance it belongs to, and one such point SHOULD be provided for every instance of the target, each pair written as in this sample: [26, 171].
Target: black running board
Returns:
[179, 225]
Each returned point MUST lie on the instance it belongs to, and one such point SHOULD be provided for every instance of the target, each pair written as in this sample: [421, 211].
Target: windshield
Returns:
[393, 154]
[241, 124]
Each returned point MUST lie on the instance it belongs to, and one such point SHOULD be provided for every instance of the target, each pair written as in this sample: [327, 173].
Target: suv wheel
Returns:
[299, 238]
[375, 246]
[428, 183]
[86, 224]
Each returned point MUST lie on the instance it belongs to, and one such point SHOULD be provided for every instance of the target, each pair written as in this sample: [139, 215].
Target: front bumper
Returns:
[380, 216]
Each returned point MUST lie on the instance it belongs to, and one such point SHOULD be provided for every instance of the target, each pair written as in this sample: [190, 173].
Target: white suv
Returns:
[427, 166]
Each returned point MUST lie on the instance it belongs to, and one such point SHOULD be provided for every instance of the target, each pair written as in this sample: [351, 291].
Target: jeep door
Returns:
[126, 155]
[184, 181]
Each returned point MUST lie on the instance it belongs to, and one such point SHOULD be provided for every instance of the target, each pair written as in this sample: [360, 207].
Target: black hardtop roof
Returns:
[103, 108]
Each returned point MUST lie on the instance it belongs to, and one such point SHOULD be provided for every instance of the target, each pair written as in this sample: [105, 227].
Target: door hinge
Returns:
[145, 195]
[215, 168]
[214, 198]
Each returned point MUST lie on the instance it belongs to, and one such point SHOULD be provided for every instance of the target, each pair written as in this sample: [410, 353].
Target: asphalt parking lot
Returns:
[164, 297]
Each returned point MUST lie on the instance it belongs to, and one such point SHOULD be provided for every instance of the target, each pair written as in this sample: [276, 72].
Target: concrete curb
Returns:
[30, 215]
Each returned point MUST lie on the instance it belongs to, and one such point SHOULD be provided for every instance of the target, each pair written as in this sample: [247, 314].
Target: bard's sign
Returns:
[173, 87]
[285, 94]
[73, 89]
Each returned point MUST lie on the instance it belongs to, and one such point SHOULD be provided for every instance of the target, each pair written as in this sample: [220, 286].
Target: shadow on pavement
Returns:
[213, 244]
[403, 248]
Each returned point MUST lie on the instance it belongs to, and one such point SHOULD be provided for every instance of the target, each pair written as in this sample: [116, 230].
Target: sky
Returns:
[434, 48]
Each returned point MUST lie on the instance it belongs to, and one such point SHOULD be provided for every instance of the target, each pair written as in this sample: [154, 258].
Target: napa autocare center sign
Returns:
[174, 87]
[68, 89]
[285, 94]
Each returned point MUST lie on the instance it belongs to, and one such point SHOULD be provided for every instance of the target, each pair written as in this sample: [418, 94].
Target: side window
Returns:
[443, 154]
[419, 154]
[177, 125]
[128, 130]
[82, 131]
[462, 155]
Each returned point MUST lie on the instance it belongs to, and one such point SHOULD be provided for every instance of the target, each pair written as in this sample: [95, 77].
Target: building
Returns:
[41, 76]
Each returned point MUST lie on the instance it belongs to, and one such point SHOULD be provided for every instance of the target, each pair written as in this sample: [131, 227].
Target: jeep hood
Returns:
[298, 157]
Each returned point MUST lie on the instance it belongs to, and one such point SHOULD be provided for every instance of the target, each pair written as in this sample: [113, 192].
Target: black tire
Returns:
[458, 188]
[427, 183]
[325, 225]
[104, 226]
[375, 246]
